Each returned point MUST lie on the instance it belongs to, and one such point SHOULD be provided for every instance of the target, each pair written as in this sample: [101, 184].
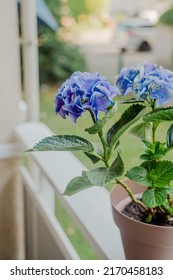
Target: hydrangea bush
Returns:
[147, 91]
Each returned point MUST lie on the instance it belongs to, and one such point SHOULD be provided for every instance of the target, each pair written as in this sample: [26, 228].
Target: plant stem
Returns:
[105, 158]
[104, 144]
[105, 155]
[153, 133]
[130, 193]
[96, 155]
[153, 106]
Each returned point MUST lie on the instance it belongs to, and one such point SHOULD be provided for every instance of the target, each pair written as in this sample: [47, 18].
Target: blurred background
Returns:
[93, 35]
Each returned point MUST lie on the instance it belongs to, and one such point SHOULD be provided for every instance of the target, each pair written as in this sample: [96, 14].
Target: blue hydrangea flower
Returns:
[125, 81]
[148, 82]
[84, 91]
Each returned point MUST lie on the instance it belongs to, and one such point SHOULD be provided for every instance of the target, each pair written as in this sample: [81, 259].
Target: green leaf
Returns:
[95, 156]
[154, 150]
[154, 197]
[117, 167]
[139, 175]
[142, 130]
[162, 174]
[76, 185]
[63, 143]
[92, 157]
[102, 175]
[146, 157]
[169, 137]
[132, 100]
[168, 208]
[98, 126]
[129, 117]
[147, 144]
[96, 176]
[149, 165]
[169, 190]
[158, 115]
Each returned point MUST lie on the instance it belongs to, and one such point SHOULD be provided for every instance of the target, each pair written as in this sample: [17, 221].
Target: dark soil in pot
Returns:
[137, 212]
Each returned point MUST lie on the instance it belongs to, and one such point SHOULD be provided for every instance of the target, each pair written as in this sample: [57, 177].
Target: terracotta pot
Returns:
[140, 241]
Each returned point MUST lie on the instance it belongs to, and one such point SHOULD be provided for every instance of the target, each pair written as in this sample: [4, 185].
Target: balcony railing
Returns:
[45, 177]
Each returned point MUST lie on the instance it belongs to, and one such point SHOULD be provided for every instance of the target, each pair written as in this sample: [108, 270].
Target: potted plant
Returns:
[142, 204]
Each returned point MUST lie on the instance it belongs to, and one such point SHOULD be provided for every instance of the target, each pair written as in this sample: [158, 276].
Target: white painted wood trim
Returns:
[49, 219]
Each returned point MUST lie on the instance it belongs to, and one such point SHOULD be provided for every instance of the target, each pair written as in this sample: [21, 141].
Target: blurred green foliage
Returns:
[95, 6]
[86, 7]
[167, 17]
[58, 59]
[55, 7]
[75, 8]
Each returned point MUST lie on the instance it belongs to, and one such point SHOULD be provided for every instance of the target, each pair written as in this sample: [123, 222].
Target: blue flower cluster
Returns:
[84, 91]
[91, 91]
[148, 82]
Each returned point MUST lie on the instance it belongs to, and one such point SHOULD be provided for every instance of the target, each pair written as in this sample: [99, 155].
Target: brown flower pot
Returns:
[140, 241]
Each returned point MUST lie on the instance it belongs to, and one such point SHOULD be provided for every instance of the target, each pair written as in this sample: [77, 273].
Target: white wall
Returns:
[164, 47]
[132, 6]
[11, 209]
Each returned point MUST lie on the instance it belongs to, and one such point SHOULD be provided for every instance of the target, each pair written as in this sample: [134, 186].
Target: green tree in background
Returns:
[96, 6]
[58, 59]
[167, 17]
[77, 8]
[86, 7]
[55, 7]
